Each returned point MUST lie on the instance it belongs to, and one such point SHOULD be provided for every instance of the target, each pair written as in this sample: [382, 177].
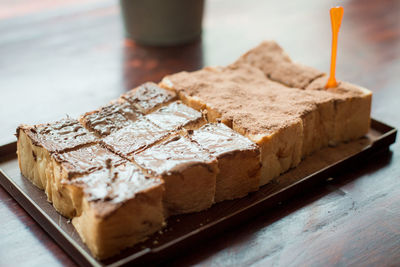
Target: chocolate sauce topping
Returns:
[172, 155]
[60, 135]
[219, 139]
[117, 185]
[87, 159]
[174, 116]
[137, 135]
[110, 118]
[148, 96]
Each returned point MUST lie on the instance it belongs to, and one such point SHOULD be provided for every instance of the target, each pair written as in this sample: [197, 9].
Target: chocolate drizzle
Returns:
[172, 155]
[149, 96]
[110, 118]
[59, 136]
[116, 186]
[136, 136]
[174, 116]
[87, 159]
[219, 140]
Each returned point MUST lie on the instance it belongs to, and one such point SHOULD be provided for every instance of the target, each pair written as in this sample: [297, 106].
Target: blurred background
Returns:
[67, 57]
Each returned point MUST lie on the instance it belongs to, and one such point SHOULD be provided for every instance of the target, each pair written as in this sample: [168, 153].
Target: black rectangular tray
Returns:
[185, 230]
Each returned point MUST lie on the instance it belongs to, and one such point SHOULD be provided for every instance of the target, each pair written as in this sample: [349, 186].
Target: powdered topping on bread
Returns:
[244, 96]
[270, 58]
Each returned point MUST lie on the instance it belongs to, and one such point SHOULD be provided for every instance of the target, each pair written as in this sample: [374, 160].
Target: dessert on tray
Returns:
[193, 140]
[280, 105]
[188, 171]
[238, 160]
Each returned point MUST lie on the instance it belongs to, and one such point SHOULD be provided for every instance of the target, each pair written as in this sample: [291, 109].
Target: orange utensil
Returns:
[336, 20]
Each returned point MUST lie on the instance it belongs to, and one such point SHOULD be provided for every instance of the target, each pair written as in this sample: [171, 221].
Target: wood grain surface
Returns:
[67, 57]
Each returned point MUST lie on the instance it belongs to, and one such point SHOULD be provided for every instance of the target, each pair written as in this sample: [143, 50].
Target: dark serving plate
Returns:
[185, 230]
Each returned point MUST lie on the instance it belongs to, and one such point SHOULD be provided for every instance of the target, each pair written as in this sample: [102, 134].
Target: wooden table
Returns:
[67, 57]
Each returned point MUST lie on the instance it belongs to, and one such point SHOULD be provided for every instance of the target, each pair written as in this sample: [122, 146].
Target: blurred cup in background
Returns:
[162, 22]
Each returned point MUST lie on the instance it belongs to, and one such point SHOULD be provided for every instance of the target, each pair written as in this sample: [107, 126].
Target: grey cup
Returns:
[162, 22]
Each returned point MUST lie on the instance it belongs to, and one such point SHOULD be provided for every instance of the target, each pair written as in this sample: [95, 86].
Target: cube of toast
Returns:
[120, 207]
[238, 160]
[188, 171]
[317, 127]
[36, 144]
[148, 97]
[280, 145]
[352, 106]
[110, 118]
[68, 165]
[282, 107]
[175, 116]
